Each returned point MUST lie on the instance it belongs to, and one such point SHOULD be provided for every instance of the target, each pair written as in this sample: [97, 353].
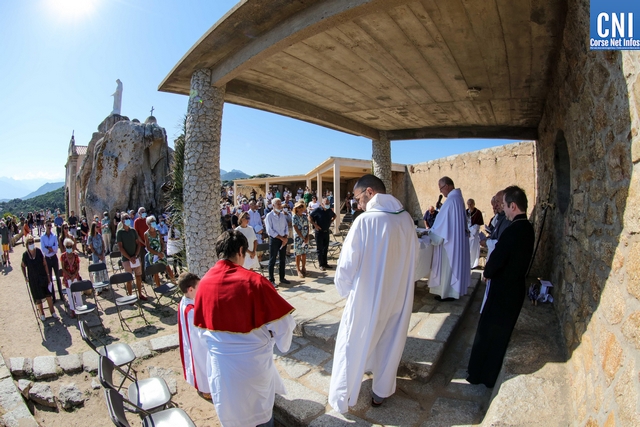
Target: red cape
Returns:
[231, 298]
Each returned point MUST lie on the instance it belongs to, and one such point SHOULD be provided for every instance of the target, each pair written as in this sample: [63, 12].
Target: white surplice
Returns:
[242, 376]
[375, 272]
[474, 245]
[192, 349]
[450, 269]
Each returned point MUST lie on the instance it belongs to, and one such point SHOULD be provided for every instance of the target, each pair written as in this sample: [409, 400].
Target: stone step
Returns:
[306, 367]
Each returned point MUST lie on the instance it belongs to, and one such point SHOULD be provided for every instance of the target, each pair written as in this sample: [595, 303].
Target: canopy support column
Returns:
[202, 172]
[336, 195]
[381, 156]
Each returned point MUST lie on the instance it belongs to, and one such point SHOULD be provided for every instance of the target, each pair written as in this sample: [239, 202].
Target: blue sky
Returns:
[60, 60]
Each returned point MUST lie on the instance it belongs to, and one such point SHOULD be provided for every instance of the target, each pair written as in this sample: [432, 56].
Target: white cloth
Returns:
[192, 349]
[375, 272]
[74, 298]
[248, 232]
[242, 376]
[474, 245]
[491, 245]
[450, 269]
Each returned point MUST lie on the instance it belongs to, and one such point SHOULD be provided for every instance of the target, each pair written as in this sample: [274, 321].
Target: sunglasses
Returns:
[68, 247]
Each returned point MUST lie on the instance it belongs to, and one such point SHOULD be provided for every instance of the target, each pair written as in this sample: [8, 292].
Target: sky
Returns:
[60, 61]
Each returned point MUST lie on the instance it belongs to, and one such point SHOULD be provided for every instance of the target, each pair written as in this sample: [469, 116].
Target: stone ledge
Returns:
[165, 343]
[45, 367]
[12, 406]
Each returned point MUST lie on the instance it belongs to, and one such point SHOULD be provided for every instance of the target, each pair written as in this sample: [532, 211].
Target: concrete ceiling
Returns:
[405, 67]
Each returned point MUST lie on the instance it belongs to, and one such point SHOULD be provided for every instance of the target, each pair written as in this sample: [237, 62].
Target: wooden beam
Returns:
[499, 132]
[242, 93]
[308, 22]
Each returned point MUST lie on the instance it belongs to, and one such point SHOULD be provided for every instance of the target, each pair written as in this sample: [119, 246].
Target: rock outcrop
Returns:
[127, 163]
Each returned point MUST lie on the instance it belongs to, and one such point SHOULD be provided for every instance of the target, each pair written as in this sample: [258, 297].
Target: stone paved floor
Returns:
[431, 386]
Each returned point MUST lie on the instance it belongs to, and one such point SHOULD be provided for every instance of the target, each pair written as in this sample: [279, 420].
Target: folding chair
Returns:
[119, 353]
[343, 230]
[149, 394]
[167, 290]
[172, 417]
[100, 278]
[115, 261]
[312, 252]
[264, 264]
[334, 245]
[87, 307]
[126, 300]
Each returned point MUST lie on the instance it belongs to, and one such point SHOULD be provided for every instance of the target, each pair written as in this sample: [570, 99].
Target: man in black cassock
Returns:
[506, 268]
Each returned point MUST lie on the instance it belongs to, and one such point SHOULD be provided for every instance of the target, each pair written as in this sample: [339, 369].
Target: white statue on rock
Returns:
[117, 98]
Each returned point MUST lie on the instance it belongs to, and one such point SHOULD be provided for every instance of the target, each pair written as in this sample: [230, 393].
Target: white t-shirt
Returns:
[251, 238]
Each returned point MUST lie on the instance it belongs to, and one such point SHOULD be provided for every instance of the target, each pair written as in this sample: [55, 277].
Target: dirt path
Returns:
[19, 333]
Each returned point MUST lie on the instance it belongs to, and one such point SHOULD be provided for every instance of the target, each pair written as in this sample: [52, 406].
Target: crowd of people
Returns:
[141, 240]
[232, 317]
[281, 218]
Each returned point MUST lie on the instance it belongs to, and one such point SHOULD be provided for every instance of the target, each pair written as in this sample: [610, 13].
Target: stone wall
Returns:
[591, 242]
[479, 174]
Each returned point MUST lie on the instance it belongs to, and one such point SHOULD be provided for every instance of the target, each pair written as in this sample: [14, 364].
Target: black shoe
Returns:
[273, 282]
[439, 298]
[328, 267]
[284, 281]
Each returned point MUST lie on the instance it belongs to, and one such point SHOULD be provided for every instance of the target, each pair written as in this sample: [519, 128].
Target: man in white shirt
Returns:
[255, 220]
[278, 230]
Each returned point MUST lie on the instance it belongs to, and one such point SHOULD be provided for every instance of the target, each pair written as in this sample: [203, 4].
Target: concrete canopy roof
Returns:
[405, 67]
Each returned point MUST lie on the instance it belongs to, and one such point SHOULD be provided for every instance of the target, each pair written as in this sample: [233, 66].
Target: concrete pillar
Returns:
[266, 190]
[202, 172]
[319, 188]
[235, 193]
[336, 195]
[381, 156]
[309, 183]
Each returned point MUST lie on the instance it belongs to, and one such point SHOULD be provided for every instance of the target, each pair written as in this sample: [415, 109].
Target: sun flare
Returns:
[72, 9]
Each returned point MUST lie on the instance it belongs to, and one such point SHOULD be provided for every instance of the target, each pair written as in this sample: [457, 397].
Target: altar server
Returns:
[375, 272]
[193, 353]
[450, 268]
[241, 316]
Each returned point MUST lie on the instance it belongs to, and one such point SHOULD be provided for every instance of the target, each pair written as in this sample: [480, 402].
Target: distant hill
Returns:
[11, 188]
[222, 172]
[233, 174]
[49, 186]
[51, 200]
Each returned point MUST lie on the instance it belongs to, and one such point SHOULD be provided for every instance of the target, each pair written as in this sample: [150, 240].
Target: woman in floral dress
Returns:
[155, 249]
[70, 262]
[300, 237]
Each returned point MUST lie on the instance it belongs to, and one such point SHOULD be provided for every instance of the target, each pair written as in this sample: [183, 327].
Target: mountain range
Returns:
[24, 188]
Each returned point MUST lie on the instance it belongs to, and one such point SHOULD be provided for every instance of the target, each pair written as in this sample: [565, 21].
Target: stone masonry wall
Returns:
[479, 175]
[592, 250]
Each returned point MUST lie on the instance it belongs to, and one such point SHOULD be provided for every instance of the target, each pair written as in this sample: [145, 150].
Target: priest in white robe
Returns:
[450, 268]
[375, 272]
[241, 317]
